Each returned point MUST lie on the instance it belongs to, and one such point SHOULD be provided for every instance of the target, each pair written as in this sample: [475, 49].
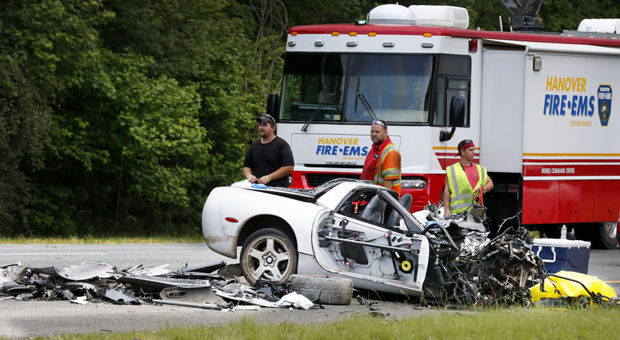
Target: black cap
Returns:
[266, 118]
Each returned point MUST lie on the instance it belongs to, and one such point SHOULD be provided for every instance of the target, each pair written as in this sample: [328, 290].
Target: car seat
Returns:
[406, 202]
[374, 210]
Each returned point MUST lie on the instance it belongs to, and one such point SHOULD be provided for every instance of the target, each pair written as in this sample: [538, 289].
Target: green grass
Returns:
[516, 323]
[102, 240]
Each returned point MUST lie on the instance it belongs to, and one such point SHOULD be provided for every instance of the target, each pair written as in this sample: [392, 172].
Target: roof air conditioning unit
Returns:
[391, 15]
[441, 16]
[600, 25]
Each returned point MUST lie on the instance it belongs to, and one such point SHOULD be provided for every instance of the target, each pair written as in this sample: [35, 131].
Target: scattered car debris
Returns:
[196, 287]
[199, 295]
[295, 300]
[86, 270]
[154, 284]
[80, 300]
[119, 297]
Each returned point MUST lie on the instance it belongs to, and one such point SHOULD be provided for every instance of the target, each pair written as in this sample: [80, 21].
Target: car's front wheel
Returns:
[268, 254]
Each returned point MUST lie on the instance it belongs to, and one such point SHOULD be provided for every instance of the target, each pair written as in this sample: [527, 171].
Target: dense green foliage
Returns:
[118, 117]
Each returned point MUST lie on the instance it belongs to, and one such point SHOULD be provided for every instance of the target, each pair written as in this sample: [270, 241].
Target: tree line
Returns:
[118, 117]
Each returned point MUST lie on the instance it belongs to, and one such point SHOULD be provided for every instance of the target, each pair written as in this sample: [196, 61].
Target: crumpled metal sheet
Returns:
[86, 271]
[11, 272]
[209, 268]
[150, 271]
[158, 283]
[118, 297]
[199, 295]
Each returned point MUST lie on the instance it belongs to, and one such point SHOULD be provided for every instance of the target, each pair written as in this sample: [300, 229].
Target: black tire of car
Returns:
[322, 289]
[283, 243]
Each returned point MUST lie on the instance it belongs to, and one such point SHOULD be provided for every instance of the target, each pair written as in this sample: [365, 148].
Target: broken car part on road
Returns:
[93, 281]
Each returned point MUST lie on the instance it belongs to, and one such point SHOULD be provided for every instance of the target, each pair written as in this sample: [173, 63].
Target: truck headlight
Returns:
[413, 183]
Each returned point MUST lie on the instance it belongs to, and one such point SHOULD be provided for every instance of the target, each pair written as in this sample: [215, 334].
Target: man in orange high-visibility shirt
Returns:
[382, 164]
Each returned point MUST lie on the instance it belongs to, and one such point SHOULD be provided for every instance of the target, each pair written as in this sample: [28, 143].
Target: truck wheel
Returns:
[322, 289]
[551, 231]
[268, 254]
[603, 235]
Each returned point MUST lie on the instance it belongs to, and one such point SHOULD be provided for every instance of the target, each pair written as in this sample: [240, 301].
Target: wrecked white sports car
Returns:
[361, 231]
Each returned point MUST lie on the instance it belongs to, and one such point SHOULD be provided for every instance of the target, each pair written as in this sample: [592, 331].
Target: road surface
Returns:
[40, 318]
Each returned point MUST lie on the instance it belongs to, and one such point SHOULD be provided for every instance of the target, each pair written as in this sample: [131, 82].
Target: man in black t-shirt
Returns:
[270, 159]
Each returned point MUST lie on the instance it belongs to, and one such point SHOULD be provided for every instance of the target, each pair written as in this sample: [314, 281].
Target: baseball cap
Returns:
[266, 118]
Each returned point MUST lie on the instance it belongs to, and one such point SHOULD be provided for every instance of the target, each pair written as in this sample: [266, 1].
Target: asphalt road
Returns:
[37, 318]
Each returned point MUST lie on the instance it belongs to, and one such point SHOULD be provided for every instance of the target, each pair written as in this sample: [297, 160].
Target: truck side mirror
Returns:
[272, 104]
[457, 111]
[457, 117]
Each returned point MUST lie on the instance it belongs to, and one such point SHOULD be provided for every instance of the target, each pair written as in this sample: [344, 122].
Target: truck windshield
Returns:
[332, 87]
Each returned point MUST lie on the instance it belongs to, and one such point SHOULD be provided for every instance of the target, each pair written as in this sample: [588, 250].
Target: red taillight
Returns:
[231, 219]
[473, 45]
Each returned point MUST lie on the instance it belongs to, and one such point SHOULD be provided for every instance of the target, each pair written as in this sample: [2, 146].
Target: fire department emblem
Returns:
[604, 103]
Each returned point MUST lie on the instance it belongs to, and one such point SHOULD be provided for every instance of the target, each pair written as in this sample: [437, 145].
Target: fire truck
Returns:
[539, 107]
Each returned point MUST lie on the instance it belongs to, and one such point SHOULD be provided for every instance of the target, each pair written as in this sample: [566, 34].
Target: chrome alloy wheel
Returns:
[268, 254]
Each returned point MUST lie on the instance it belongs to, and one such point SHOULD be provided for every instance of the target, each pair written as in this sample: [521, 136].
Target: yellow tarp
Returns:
[556, 287]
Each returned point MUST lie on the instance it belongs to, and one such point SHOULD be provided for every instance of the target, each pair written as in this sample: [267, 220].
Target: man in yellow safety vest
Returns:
[466, 181]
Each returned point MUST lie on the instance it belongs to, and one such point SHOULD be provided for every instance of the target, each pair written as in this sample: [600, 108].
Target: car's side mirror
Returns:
[457, 117]
[272, 104]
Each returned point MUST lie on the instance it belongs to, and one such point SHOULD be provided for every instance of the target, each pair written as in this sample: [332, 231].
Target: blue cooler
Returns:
[561, 254]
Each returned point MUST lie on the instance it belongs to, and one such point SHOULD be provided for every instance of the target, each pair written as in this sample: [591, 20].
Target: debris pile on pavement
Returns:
[471, 269]
[198, 287]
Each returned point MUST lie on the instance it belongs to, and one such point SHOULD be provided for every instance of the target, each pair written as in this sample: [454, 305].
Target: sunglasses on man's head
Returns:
[378, 122]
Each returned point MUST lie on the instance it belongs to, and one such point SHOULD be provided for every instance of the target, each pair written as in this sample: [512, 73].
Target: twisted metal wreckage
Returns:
[190, 286]
[466, 268]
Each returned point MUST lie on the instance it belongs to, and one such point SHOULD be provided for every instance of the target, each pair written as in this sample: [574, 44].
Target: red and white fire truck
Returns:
[538, 106]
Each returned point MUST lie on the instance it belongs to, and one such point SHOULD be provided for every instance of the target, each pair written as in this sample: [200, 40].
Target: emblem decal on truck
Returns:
[340, 146]
[604, 103]
[575, 102]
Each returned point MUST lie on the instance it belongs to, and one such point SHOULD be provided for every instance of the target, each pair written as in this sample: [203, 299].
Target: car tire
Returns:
[322, 289]
[268, 254]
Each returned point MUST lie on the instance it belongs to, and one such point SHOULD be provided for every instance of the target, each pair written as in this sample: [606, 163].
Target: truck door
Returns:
[452, 93]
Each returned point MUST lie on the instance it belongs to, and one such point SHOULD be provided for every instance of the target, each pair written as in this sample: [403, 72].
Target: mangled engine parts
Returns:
[468, 268]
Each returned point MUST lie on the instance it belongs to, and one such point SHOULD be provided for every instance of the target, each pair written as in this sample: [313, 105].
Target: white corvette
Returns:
[352, 229]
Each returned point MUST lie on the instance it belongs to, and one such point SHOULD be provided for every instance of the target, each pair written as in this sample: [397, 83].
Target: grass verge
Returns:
[102, 239]
[534, 323]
